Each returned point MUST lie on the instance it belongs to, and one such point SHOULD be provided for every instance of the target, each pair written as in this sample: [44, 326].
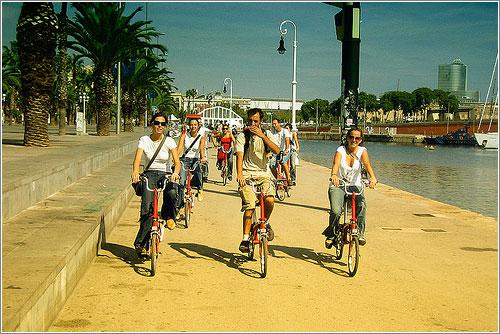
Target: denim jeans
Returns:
[293, 167]
[337, 196]
[168, 209]
[187, 163]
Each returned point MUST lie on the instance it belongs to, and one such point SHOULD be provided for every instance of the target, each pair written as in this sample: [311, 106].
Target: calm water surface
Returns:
[466, 177]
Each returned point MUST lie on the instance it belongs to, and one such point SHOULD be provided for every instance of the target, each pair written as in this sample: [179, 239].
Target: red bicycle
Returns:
[158, 227]
[258, 230]
[224, 165]
[188, 193]
[282, 186]
[347, 232]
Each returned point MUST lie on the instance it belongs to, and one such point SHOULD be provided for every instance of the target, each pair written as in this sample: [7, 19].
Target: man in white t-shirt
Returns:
[282, 138]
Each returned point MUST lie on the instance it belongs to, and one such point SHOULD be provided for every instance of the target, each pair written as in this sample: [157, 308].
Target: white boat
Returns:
[487, 140]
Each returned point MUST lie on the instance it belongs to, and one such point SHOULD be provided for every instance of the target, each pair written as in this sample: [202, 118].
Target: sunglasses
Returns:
[354, 138]
[160, 123]
[225, 128]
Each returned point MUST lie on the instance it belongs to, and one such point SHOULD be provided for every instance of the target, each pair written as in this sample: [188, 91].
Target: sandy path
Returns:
[416, 273]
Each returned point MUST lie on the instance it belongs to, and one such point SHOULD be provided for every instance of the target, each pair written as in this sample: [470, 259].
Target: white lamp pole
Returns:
[84, 98]
[282, 50]
[230, 90]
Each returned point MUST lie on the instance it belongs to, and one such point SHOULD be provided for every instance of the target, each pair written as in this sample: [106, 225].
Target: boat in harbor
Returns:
[458, 137]
[489, 139]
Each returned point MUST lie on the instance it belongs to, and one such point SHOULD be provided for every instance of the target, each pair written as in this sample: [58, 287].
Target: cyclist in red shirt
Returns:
[226, 141]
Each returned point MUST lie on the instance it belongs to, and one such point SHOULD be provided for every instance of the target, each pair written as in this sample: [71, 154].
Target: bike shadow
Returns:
[324, 260]
[127, 255]
[231, 260]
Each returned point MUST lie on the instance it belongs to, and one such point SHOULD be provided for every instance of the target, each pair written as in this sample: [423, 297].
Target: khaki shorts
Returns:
[248, 197]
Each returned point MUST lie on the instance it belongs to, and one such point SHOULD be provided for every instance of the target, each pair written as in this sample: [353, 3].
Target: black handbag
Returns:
[140, 186]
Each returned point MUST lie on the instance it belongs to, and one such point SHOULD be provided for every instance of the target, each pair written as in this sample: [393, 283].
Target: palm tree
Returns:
[36, 37]
[62, 76]
[104, 35]
[146, 77]
[11, 79]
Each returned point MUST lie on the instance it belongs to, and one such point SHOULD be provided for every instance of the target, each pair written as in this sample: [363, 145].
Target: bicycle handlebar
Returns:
[223, 150]
[193, 167]
[166, 180]
[344, 184]
[254, 187]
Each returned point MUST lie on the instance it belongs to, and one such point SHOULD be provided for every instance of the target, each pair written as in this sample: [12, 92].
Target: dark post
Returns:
[348, 32]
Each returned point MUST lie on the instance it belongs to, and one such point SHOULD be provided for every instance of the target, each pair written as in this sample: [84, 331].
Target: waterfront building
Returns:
[453, 78]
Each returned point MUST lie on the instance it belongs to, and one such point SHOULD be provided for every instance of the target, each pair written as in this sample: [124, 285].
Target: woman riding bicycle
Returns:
[226, 142]
[156, 172]
[348, 162]
[194, 144]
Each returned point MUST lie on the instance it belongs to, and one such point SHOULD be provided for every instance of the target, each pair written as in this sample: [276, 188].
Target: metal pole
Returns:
[348, 24]
[294, 68]
[84, 111]
[231, 91]
[119, 94]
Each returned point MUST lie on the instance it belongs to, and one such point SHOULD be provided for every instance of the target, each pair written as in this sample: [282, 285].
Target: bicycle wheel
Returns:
[187, 212]
[224, 175]
[339, 242]
[154, 253]
[280, 192]
[263, 250]
[353, 258]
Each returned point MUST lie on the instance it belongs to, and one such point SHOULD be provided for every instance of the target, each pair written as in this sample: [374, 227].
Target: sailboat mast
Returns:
[487, 94]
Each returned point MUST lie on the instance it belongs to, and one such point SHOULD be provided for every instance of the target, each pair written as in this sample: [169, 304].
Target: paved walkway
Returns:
[427, 266]
[59, 203]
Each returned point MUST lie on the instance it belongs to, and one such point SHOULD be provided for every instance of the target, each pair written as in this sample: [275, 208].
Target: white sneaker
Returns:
[200, 195]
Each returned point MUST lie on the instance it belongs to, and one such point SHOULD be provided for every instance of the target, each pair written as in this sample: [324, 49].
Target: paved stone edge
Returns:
[42, 185]
[42, 308]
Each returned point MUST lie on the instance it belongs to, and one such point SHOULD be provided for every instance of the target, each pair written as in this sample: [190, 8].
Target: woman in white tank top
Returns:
[347, 166]
[196, 152]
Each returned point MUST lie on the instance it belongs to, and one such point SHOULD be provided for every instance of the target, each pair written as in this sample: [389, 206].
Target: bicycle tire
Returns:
[154, 253]
[353, 256]
[263, 250]
[224, 175]
[187, 213]
[339, 242]
[280, 192]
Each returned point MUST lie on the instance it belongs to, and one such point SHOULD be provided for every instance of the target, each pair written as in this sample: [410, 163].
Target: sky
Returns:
[401, 42]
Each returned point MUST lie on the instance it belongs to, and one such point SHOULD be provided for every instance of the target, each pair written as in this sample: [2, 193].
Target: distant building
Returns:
[453, 78]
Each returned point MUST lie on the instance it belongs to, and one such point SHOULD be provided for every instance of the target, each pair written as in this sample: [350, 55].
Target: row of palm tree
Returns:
[101, 33]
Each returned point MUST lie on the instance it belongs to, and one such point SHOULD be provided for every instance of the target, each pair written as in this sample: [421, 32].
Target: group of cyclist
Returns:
[258, 152]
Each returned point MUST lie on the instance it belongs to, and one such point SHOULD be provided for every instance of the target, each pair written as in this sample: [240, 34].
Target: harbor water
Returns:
[462, 176]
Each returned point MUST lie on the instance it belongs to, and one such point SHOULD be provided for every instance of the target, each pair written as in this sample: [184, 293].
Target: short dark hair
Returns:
[277, 119]
[253, 111]
[158, 114]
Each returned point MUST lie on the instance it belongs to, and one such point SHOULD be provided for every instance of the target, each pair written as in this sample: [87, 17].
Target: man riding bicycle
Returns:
[282, 139]
[252, 148]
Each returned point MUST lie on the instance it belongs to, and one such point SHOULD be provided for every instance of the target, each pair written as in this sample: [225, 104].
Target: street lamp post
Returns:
[84, 98]
[230, 90]
[281, 50]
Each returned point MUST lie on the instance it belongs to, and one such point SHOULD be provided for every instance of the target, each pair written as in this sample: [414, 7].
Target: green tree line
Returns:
[42, 80]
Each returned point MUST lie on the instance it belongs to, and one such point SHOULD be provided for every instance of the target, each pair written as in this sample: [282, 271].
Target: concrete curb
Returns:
[17, 197]
[38, 311]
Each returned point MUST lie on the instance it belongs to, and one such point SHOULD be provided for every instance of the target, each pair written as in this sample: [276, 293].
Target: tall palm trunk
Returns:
[103, 87]
[62, 92]
[36, 36]
[141, 107]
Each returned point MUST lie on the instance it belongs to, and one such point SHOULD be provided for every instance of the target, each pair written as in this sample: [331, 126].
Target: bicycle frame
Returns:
[156, 234]
[225, 165]
[258, 230]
